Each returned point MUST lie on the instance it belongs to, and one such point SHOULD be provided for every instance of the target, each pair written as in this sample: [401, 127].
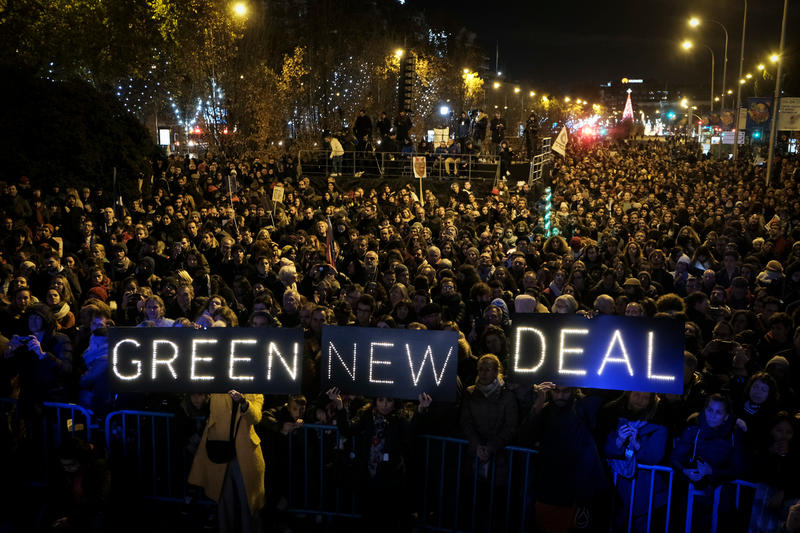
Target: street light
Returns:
[240, 8]
[761, 66]
[516, 90]
[496, 85]
[739, 89]
[399, 53]
[773, 130]
[694, 22]
[687, 44]
[774, 58]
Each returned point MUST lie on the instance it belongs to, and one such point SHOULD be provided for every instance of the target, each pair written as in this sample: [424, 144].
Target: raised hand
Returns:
[424, 402]
[236, 396]
[335, 396]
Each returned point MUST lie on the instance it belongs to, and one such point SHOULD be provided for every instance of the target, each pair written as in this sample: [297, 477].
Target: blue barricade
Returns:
[313, 471]
[461, 494]
[715, 510]
[42, 431]
[323, 485]
[643, 472]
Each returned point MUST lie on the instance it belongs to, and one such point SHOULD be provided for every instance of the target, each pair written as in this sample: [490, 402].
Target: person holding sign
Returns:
[489, 415]
[382, 438]
[229, 464]
[567, 483]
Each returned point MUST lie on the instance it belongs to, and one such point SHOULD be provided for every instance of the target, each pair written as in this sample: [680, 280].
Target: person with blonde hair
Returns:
[489, 412]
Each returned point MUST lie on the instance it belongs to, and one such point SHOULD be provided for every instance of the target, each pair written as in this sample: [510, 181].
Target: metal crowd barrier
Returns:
[397, 164]
[450, 472]
[149, 459]
[324, 488]
[651, 493]
[715, 512]
[145, 452]
[44, 431]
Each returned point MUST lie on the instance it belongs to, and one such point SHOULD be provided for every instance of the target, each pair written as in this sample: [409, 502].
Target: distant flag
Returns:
[560, 145]
[331, 246]
[116, 194]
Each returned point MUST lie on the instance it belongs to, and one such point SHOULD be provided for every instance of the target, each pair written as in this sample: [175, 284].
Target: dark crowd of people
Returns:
[639, 229]
[471, 137]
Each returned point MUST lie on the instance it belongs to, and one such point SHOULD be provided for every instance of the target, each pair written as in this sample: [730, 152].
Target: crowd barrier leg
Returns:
[714, 513]
[689, 508]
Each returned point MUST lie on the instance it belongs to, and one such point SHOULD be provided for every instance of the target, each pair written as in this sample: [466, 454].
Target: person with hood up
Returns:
[708, 454]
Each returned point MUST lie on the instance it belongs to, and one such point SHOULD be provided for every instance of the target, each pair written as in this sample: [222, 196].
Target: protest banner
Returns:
[166, 360]
[395, 363]
[605, 352]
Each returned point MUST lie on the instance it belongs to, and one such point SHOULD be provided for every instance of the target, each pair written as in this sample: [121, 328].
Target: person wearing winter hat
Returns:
[681, 274]
[772, 278]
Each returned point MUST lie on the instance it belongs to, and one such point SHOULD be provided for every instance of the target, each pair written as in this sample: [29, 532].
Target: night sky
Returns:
[567, 44]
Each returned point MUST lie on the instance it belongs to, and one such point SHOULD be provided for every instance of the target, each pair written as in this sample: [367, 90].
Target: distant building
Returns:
[646, 94]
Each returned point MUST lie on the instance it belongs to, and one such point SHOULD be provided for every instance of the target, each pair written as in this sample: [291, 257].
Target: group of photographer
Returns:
[644, 230]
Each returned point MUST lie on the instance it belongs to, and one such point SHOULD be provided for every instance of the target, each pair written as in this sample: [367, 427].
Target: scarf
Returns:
[491, 388]
[378, 444]
[61, 311]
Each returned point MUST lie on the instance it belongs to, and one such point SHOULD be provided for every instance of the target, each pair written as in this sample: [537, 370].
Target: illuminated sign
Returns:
[395, 363]
[606, 352]
[259, 360]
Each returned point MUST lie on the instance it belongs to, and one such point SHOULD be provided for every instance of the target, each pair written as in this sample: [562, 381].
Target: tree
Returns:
[68, 133]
